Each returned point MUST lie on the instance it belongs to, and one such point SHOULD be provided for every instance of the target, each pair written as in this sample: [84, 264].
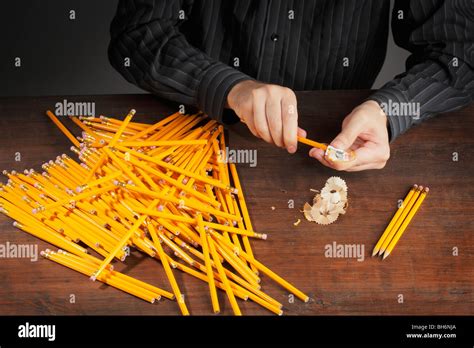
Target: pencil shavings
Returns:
[329, 203]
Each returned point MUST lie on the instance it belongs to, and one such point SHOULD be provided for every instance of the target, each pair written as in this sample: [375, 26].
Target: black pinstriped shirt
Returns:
[194, 51]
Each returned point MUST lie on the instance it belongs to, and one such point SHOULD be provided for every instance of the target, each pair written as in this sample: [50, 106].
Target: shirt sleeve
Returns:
[440, 70]
[161, 61]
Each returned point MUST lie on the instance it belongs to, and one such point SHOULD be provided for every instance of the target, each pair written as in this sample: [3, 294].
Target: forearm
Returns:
[161, 60]
[440, 71]
[423, 92]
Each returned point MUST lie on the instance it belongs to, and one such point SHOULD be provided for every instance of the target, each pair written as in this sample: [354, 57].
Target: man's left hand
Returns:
[364, 131]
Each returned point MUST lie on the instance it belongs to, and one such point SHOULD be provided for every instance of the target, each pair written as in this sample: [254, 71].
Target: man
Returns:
[249, 56]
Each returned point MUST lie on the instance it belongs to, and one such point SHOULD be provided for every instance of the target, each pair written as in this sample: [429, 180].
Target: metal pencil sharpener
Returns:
[335, 154]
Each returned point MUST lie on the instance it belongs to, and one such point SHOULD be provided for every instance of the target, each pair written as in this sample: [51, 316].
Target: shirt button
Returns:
[274, 37]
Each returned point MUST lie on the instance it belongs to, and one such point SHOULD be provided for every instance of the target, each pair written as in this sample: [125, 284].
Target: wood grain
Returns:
[422, 267]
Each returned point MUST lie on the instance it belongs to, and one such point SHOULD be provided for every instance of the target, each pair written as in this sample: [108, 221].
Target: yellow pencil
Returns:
[78, 197]
[406, 222]
[145, 186]
[210, 274]
[155, 126]
[98, 182]
[122, 243]
[174, 285]
[312, 143]
[400, 220]
[241, 293]
[177, 169]
[244, 210]
[163, 143]
[394, 220]
[240, 267]
[122, 127]
[225, 281]
[133, 290]
[275, 277]
[65, 131]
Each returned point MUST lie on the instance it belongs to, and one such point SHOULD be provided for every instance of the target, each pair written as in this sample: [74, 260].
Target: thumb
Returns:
[350, 132]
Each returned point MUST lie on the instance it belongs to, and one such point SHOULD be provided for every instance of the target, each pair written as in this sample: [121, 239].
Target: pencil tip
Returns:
[385, 255]
[374, 252]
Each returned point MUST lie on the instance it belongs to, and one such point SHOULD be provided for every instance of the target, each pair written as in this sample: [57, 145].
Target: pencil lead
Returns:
[385, 255]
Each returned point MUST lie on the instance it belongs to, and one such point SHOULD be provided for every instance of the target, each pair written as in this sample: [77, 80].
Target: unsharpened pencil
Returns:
[162, 189]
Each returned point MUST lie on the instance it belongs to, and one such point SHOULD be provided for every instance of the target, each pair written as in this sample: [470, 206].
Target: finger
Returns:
[375, 165]
[274, 120]
[260, 119]
[301, 132]
[371, 152]
[251, 126]
[247, 119]
[319, 155]
[290, 123]
[357, 143]
[362, 157]
[368, 156]
[340, 165]
[315, 151]
[349, 133]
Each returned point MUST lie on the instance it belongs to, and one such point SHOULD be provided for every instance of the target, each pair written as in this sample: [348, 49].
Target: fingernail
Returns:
[338, 145]
[312, 152]
[291, 149]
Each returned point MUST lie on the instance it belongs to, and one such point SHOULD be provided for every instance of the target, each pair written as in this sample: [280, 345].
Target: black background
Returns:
[59, 56]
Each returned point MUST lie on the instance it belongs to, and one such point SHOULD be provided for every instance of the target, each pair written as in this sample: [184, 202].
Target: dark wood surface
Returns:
[422, 268]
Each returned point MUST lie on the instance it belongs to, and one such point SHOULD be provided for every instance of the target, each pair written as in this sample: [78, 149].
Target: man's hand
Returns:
[364, 130]
[269, 111]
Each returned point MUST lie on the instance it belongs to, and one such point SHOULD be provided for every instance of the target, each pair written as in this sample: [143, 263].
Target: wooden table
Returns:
[422, 268]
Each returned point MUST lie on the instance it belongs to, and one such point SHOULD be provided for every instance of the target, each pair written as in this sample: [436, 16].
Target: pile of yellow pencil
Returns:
[163, 189]
[400, 221]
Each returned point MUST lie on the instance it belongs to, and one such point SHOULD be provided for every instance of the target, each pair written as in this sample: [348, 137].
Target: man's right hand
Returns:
[269, 111]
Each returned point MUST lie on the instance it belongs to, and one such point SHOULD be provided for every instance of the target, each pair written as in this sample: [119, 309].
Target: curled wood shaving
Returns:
[329, 203]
